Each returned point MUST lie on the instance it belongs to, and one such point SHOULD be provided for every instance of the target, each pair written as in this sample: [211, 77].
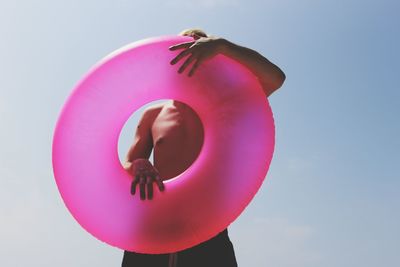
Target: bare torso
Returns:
[177, 135]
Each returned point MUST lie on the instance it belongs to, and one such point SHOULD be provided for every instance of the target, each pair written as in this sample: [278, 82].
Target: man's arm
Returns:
[137, 163]
[270, 76]
[142, 143]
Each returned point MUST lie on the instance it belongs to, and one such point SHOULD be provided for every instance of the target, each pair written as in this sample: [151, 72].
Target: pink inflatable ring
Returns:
[197, 204]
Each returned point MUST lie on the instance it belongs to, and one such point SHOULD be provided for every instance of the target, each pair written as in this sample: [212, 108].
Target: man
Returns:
[165, 128]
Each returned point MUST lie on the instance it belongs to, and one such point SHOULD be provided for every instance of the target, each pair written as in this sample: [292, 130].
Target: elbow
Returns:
[280, 79]
[274, 84]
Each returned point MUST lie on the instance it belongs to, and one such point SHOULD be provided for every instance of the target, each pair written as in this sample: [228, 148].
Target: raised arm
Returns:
[270, 76]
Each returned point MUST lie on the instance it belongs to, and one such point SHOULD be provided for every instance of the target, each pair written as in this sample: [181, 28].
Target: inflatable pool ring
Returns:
[197, 204]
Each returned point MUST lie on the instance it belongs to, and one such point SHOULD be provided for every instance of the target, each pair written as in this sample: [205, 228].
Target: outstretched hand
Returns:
[145, 174]
[198, 51]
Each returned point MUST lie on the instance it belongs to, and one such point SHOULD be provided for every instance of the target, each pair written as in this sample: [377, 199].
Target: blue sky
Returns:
[331, 196]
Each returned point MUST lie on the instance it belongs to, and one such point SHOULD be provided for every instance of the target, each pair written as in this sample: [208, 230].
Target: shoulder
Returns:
[151, 112]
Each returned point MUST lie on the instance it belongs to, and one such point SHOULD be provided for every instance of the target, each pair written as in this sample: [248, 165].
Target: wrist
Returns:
[127, 166]
[140, 161]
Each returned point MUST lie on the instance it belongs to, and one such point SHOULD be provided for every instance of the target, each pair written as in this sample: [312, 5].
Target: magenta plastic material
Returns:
[197, 204]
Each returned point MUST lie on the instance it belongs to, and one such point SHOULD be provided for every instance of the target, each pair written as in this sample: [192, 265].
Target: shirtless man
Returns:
[175, 132]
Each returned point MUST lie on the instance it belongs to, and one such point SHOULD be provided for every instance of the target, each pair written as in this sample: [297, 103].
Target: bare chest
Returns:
[177, 138]
[172, 127]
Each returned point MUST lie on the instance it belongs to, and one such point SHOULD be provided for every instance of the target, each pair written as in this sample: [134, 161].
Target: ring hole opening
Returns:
[167, 132]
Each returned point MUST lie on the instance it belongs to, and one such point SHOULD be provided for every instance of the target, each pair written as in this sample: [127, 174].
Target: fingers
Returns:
[146, 184]
[193, 57]
[194, 67]
[142, 185]
[145, 178]
[133, 185]
[149, 187]
[186, 63]
[160, 183]
[180, 56]
[181, 46]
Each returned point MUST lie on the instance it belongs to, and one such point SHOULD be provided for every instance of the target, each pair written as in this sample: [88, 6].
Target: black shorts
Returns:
[216, 252]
